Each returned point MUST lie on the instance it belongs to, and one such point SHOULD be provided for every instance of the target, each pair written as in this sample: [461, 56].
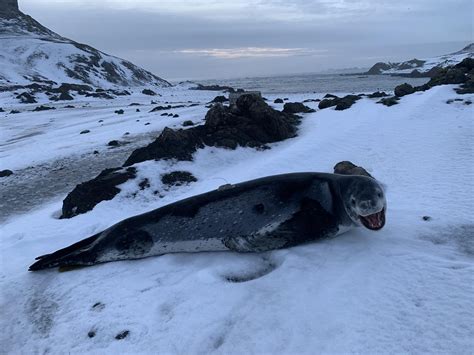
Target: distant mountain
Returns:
[30, 52]
[422, 67]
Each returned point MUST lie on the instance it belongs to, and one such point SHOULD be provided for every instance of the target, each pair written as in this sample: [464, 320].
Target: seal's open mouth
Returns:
[374, 221]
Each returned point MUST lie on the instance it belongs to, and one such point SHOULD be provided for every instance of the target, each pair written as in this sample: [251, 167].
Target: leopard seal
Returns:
[268, 213]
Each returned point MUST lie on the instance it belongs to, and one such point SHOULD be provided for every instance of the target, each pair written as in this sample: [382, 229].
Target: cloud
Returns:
[252, 52]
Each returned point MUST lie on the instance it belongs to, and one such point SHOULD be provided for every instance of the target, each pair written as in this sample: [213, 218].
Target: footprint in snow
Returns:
[266, 266]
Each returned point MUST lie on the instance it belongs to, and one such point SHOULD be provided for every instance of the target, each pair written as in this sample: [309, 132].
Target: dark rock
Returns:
[348, 168]
[404, 89]
[341, 103]
[14, 111]
[144, 184]
[178, 178]
[69, 106]
[113, 143]
[345, 102]
[147, 124]
[119, 112]
[85, 131]
[65, 87]
[160, 108]
[137, 110]
[63, 96]
[91, 334]
[468, 102]
[220, 99]
[100, 121]
[278, 101]
[126, 133]
[122, 335]
[377, 94]
[100, 95]
[134, 104]
[311, 100]
[1, 110]
[427, 218]
[87, 195]
[164, 114]
[6, 172]
[170, 115]
[43, 108]
[170, 144]
[296, 107]
[188, 123]
[148, 92]
[96, 152]
[325, 103]
[389, 101]
[330, 96]
[26, 98]
[175, 115]
[285, 99]
[213, 88]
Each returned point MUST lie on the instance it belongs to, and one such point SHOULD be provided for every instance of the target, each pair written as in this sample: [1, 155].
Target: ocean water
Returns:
[318, 83]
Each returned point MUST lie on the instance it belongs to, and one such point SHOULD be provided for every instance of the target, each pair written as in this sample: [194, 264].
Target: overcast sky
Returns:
[196, 39]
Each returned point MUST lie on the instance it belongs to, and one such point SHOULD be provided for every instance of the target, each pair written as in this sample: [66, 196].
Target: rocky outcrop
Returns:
[87, 195]
[404, 89]
[249, 123]
[215, 88]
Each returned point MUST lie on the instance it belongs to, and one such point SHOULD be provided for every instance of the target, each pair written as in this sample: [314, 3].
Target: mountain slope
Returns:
[425, 67]
[29, 52]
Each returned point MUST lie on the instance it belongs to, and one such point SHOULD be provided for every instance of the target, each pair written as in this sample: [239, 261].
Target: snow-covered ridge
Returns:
[423, 67]
[30, 52]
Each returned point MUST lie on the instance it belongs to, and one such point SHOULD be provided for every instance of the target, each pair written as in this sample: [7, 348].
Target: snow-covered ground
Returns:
[405, 289]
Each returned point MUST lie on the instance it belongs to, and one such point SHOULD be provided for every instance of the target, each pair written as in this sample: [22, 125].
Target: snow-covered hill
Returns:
[29, 52]
[424, 67]
[405, 289]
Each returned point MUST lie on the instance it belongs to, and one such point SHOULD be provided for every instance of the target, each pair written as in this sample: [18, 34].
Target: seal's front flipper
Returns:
[309, 223]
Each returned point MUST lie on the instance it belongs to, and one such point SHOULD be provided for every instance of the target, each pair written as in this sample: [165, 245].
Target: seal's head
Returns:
[364, 201]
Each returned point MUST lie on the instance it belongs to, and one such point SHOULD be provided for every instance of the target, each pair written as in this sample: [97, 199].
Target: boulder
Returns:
[5, 173]
[119, 112]
[404, 89]
[113, 143]
[26, 98]
[188, 123]
[148, 92]
[87, 195]
[43, 108]
[389, 101]
[377, 94]
[178, 178]
[296, 107]
[85, 131]
[349, 168]
[278, 101]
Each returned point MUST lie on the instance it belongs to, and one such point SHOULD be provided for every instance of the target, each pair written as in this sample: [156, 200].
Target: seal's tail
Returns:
[68, 256]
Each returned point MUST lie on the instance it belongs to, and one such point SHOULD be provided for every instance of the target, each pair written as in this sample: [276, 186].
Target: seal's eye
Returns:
[379, 195]
[353, 201]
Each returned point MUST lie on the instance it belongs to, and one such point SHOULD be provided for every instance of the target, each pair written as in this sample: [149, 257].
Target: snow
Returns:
[405, 289]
